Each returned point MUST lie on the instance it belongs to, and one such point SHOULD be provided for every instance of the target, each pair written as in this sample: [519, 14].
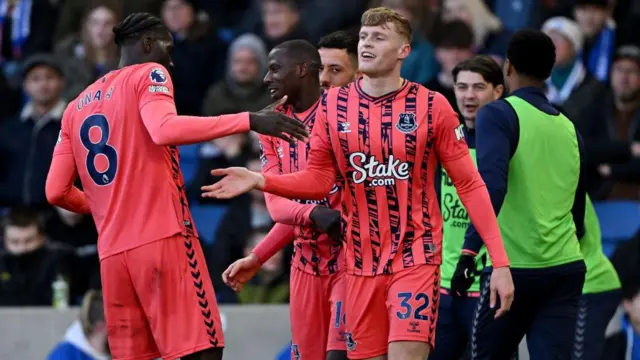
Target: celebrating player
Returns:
[530, 157]
[477, 82]
[385, 135]
[120, 136]
[317, 289]
[339, 55]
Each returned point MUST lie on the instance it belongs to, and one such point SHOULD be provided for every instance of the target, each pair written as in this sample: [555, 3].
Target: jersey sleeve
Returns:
[320, 173]
[450, 143]
[454, 155]
[282, 210]
[156, 104]
[279, 236]
[59, 187]
[497, 133]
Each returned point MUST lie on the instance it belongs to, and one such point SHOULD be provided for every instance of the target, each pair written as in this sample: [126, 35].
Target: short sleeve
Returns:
[153, 83]
[450, 143]
[64, 145]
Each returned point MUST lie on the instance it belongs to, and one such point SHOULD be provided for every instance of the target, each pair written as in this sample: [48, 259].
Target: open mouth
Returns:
[272, 91]
[471, 108]
[367, 55]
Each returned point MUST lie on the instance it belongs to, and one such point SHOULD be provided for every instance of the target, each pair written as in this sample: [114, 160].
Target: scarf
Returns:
[20, 23]
[599, 58]
[633, 341]
[559, 96]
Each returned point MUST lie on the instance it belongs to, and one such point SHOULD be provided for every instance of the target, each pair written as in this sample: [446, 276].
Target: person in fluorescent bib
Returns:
[532, 160]
[601, 294]
[477, 82]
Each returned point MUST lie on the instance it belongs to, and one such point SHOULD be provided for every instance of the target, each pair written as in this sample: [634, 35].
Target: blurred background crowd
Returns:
[50, 50]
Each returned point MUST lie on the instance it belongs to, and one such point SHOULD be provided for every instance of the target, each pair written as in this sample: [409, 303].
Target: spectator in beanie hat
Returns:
[571, 87]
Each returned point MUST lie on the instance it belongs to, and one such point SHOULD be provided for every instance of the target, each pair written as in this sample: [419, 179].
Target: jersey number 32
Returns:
[99, 147]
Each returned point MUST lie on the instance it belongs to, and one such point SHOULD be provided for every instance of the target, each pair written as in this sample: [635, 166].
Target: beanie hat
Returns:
[567, 28]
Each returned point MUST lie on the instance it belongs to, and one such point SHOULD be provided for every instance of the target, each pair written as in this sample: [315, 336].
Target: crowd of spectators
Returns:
[51, 50]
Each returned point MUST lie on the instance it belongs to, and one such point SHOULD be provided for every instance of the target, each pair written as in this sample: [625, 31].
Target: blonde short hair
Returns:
[381, 15]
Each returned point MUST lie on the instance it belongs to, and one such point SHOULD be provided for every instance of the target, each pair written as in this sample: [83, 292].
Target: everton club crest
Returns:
[407, 123]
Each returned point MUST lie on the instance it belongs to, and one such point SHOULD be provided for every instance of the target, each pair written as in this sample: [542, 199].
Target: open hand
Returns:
[236, 181]
[270, 122]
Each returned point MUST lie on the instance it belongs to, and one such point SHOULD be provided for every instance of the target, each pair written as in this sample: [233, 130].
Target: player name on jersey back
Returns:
[134, 187]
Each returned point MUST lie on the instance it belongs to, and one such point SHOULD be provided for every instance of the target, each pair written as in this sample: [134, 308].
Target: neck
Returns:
[519, 83]
[564, 68]
[40, 110]
[306, 98]
[380, 85]
[101, 56]
[182, 34]
[470, 123]
[127, 58]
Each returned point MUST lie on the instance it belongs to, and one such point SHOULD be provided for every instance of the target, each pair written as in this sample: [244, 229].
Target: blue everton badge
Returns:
[407, 123]
[157, 76]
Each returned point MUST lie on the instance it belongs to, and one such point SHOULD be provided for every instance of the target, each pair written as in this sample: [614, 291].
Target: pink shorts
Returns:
[381, 309]
[317, 314]
[159, 301]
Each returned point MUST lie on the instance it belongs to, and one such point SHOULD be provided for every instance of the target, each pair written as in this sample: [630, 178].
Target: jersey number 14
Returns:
[99, 148]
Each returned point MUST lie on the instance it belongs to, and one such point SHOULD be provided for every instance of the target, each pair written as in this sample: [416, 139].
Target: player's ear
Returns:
[303, 69]
[507, 68]
[404, 50]
[147, 44]
[498, 91]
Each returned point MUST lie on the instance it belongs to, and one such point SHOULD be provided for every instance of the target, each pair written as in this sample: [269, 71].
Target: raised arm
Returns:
[59, 187]
[313, 183]
[454, 155]
[282, 210]
[158, 110]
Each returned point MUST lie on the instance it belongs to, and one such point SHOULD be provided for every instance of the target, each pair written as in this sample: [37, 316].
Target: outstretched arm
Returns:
[454, 154]
[313, 183]
[158, 110]
[59, 187]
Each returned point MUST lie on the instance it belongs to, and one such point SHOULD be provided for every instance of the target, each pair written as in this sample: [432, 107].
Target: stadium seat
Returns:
[619, 221]
[189, 157]
[207, 218]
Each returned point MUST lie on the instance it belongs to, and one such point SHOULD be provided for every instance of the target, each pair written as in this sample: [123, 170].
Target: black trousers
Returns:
[544, 308]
